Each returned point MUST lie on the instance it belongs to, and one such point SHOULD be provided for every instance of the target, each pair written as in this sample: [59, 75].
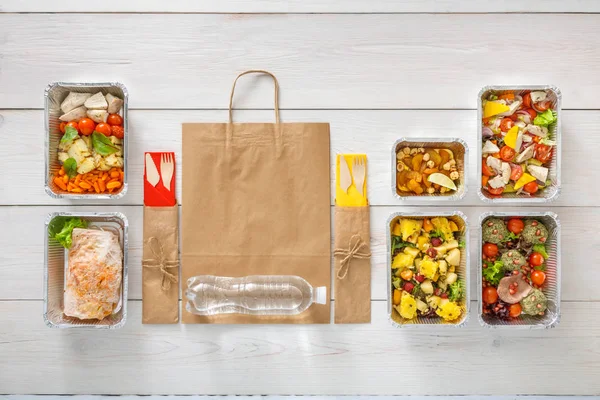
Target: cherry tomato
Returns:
[490, 250]
[104, 129]
[543, 152]
[506, 124]
[543, 105]
[496, 192]
[118, 131]
[516, 171]
[531, 187]
[515, 310]
[115, 119]
[73, 124]
[62, 127]
[514, 117]
[538, 277]
[507, 153]
[489, 295]
[515, 225]
[536, 259]
[485, 170]
[86, 126]
[532, 113]
[527, 100]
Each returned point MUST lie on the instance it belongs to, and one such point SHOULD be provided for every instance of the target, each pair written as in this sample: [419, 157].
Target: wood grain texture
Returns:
[323, 61]
[371, 132]
[328, 359]
[25, 259]
[303, 6]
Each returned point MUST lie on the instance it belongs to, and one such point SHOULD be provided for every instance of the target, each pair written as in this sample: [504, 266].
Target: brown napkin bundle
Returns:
[352, 266]
[160, 266]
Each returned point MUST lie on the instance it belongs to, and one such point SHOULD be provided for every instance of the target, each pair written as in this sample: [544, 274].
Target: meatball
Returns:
[494, 231]
[534, 232]
[535, 303]
[513, 260]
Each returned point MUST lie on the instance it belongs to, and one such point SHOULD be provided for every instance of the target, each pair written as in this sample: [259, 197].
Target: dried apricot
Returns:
[414, 186]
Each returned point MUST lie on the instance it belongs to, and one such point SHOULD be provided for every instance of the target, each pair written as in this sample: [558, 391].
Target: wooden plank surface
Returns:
[304, 6]
[26, 258]
[372, 132]
[310, 359]
[377, 70]
[324, 61]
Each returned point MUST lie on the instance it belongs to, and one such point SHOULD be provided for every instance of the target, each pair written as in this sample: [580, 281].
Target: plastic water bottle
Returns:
[255, 294]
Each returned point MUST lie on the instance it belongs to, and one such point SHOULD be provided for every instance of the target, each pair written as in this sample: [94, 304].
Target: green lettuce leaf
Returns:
[70, 166]
[511, 236]
[456, 291]
[398, 244]
[493, 272]
[436, 234]
[546, 118]
[540, 248]
[70, 134]
[102, 144]
[61, 229]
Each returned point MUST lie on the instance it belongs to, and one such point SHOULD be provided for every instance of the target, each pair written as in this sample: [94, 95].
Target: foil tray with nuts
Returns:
[433, 169]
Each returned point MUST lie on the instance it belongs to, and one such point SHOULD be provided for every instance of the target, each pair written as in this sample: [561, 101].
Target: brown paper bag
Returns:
[160, 266]
[256, 202]
[352, 266]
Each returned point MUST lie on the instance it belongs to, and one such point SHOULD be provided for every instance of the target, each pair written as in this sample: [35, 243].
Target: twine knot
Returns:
[161, 263]
[355, 245]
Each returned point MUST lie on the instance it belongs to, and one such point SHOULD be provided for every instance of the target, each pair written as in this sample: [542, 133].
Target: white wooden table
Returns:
[376, 70]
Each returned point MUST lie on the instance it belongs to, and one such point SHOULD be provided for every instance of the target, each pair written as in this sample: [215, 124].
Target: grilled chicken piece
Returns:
[97, 115]
[114, 104]
[74, 100]
[76, 113]
[96, 102]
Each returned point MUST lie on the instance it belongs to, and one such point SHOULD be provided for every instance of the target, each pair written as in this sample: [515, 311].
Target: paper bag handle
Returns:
[255, 71]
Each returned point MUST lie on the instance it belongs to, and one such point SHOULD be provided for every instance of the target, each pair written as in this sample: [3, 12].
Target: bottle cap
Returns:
[321, 295]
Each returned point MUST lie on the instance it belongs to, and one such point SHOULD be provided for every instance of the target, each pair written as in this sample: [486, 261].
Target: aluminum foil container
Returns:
[56, 265]
[460, 150]
[551, 286]
[54, 95]
[552, 191]
[462, 270]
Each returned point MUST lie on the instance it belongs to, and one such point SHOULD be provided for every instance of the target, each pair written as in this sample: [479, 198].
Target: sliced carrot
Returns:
[113, 185]
[101, 185]
[105, 176]
[77, 179]
[122, 175]
[61, 172]
[114, 174]
[84, 185]
[60, 183]
[65, 179]
[96, 187]
[77, 190]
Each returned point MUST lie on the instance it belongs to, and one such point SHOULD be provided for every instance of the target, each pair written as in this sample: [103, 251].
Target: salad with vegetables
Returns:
[425, 255]
[90, 150]
[513, 267]
[517, 142]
